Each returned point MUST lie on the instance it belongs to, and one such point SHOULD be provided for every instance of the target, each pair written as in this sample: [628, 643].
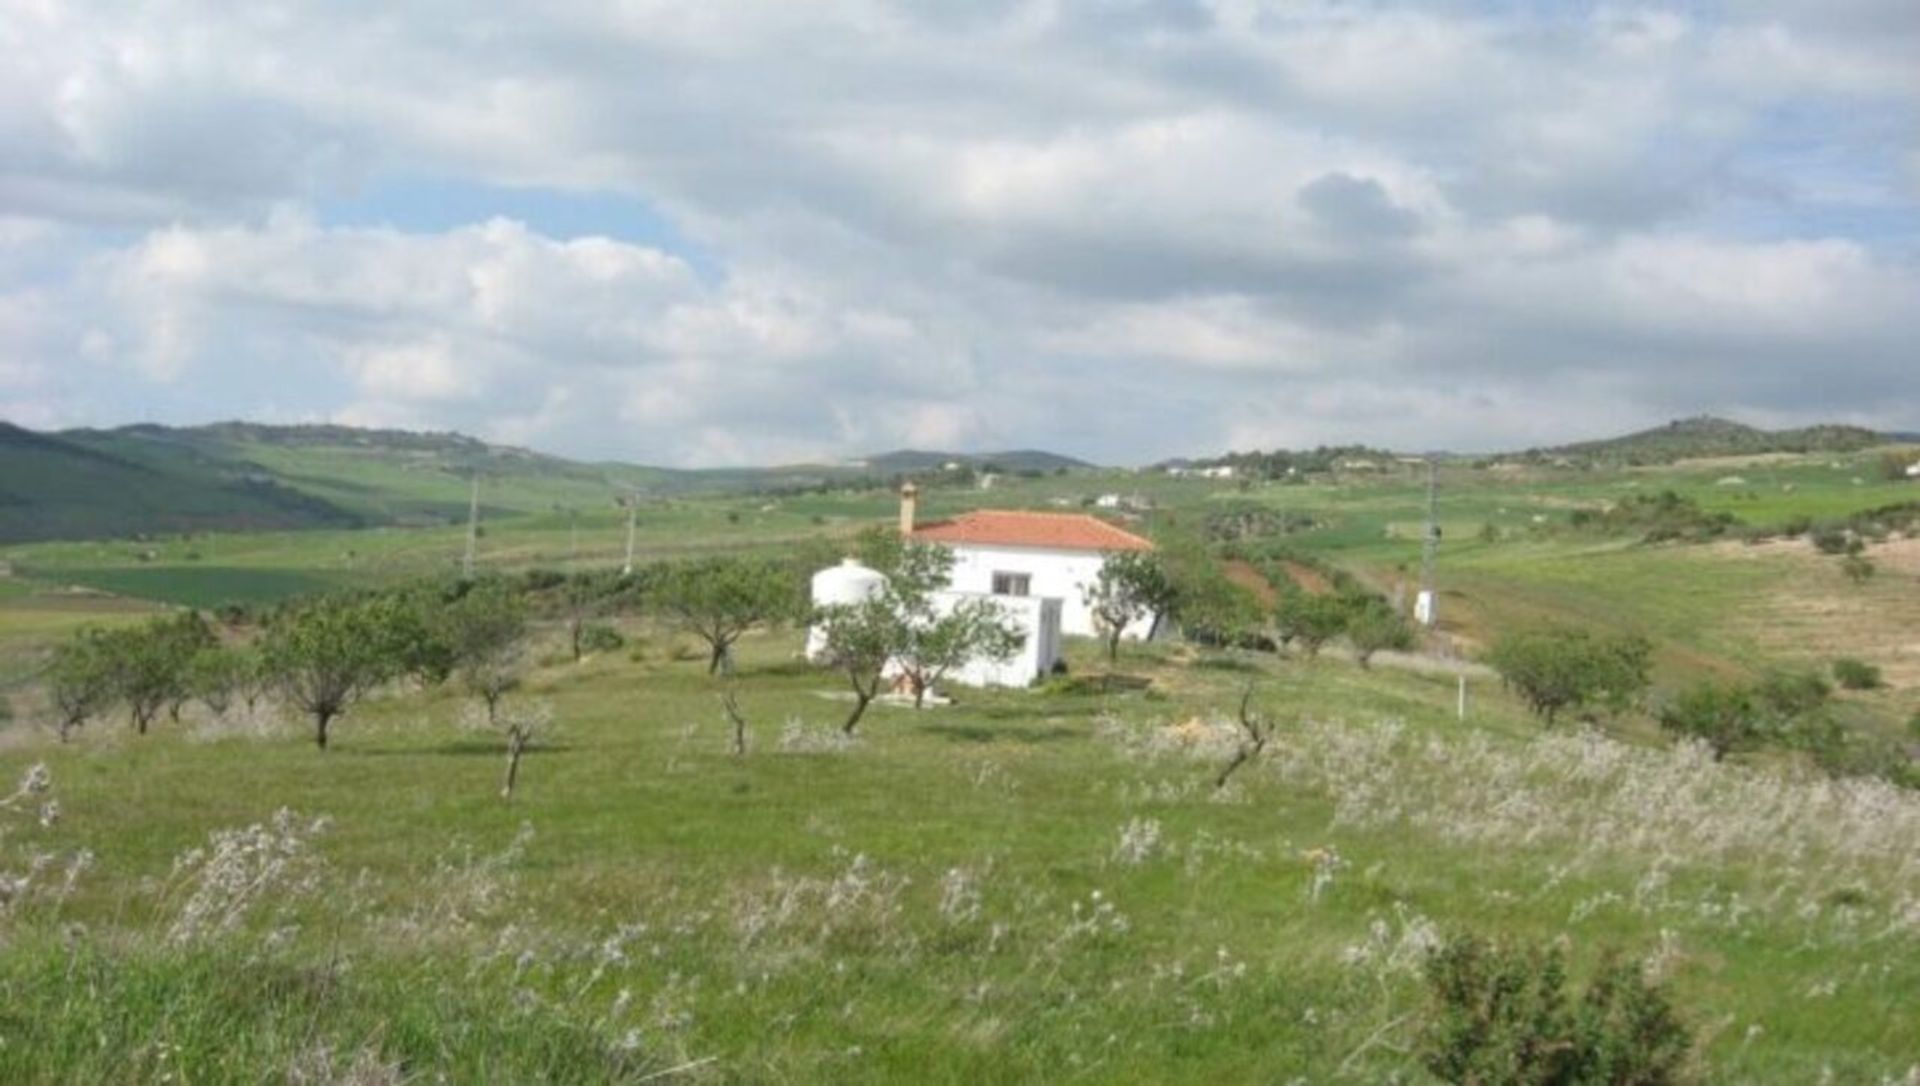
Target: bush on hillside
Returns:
[1854, 674]
[1499, 1015]
[1724, 717]
[1560, 668]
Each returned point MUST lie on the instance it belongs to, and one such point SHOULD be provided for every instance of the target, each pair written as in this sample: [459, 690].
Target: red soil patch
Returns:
[1249, 578]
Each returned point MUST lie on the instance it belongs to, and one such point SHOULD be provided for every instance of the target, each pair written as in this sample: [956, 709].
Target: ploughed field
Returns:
[1034, 886]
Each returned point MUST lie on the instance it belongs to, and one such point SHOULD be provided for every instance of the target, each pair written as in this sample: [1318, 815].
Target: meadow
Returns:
[1041, 885]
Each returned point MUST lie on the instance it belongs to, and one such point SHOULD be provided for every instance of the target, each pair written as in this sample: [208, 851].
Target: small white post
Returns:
[1463, 697]
[633, 510]
[473, 529]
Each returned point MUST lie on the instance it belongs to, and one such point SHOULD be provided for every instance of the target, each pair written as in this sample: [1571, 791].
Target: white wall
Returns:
[1061, 575]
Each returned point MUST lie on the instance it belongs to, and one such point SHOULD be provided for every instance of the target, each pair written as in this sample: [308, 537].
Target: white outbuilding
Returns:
[845, 584]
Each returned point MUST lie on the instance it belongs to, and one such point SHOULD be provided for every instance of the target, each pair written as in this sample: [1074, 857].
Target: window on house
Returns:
[1011, 584]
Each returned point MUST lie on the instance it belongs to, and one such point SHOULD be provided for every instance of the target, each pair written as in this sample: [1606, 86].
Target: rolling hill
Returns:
[1705, 435]
[56, 487]
[235, 476]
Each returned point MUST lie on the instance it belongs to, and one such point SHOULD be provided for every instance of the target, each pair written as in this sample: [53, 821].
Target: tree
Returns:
[1256, 732]
[718, 599]
[1558, 668]
[334, 650]
[150, 664]
[858, 639]
[1130, 586]
[485, 631]
[935, 641]
[1858, 568]
[1726, 718]
[80, 681]
[1211, 607]
[1313, 620]
[1373, 626]
[213, 677]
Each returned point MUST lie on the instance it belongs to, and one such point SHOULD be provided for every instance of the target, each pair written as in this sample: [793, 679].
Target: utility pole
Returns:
[1424, 611]
[473, 529]
[633, 511]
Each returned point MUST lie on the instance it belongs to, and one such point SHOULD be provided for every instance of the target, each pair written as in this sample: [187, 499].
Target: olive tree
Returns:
[1558, 668]
[327, 654]
[151, 662]
[80, 681]
[485, 632]
[1310, 619]
[1131, 585]
[935, 641]
[719, 599]
[1373, 626]
[858, 640]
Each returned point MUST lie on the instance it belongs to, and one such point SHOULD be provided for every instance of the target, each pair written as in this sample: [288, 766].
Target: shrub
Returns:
[602, 638]
[1829, 540]
[1725, 718]
[1500, 1015]
[1857, 568]
[1375, 627]
[1854, 674]
[1558, 668]
[1792, 693]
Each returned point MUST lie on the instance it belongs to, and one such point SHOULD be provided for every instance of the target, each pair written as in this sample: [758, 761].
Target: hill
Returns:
[1705, 435]
[92, 484]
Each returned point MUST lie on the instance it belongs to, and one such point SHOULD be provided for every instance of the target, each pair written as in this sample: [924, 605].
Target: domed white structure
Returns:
[841, 585]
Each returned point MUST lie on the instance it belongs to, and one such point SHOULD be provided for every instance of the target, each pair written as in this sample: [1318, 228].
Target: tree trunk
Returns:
[861, 698]
[1113, 647]
[920, 692]
[717, 657]
[322, 720]
[516, 744]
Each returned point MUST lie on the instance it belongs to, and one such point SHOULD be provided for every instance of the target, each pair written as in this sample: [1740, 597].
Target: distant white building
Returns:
[1107, 501]
[1021, 554]
[1913, 470]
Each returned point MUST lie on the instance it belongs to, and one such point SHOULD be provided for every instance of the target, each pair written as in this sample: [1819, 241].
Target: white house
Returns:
[1010, 553]
[1037, 619]
[1913, 470]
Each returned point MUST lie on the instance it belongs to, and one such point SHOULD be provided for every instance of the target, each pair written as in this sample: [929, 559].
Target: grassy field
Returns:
[1025, 887]
[1031, 886]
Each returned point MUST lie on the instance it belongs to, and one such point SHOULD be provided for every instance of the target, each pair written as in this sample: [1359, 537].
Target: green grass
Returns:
[796, 916]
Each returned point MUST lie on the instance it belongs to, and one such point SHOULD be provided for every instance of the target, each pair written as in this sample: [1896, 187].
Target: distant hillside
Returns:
[150, 479]
[53, 487]
[1685, 439]
[902, 461]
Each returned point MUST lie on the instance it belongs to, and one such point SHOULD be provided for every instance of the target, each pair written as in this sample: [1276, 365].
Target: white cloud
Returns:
[1022, 222]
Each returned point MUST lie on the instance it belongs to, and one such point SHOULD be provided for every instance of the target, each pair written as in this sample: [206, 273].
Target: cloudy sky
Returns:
[734, 231]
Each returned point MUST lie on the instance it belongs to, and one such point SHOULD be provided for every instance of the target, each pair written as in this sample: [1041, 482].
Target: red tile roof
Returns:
[1055, 531]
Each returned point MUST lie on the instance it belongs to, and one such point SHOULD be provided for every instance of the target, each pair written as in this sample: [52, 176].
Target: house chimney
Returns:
[909, 506]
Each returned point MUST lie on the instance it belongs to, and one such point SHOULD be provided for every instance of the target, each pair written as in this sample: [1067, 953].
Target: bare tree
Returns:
[731, 706]
[522, 725]
[1256, 731]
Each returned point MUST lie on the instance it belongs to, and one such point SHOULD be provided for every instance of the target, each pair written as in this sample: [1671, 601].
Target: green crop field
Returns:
[1040, 885]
